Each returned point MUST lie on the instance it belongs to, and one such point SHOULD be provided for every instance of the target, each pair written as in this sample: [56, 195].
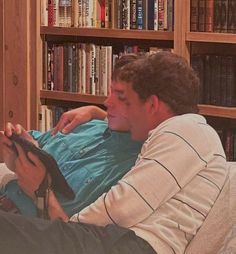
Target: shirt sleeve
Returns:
[162, 169]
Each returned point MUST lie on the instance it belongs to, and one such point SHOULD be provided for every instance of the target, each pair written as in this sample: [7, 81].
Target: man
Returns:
[160, 204]
[92, 157]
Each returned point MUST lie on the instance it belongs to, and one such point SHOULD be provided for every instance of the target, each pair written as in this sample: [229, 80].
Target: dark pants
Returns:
[23, 235]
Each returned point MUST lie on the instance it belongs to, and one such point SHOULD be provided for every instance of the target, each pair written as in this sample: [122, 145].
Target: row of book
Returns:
[50, 115]
[217, 75]
[120, 14]
[84, 68]
[213, 16]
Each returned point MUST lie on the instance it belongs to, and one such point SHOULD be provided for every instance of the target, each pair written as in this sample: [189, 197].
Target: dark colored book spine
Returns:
[217, 14]
[119, 14]
[231, 16]
[74, 68]
[202, 15]
[223, 77]
[215, 67]
[197, 63]
[224, 16]
[150, 13]
[207, 80]
[65, 67]
[69, 68]
[230, 81]
[209, 16]
[194, 16]
[170, 15]
[133, 14]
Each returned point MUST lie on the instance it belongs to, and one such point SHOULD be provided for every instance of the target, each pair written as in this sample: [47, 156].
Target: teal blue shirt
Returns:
[92, 158]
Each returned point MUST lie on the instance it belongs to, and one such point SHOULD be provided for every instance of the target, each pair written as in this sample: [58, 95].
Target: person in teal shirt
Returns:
[92, 157]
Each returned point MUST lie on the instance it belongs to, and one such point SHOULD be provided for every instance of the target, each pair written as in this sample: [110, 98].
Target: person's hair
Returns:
[122, 61]
[166, 75]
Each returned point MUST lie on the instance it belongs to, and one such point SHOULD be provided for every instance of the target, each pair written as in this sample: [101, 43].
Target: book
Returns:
[133, 14]
[224, 16]
[217, 16]
[209, 22]
[201, 15]
[194, 16]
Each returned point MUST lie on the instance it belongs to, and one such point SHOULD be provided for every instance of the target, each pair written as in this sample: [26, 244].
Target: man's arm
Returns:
[158, 175]
[70, 119]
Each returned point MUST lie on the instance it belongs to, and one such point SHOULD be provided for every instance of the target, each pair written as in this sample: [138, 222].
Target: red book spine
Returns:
[103, 13]
[50, 13]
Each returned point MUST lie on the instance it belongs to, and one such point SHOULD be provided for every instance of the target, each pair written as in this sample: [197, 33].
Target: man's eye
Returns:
[123, 99]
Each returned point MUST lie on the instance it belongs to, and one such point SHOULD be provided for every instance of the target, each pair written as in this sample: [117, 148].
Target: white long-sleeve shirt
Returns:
[167, 195]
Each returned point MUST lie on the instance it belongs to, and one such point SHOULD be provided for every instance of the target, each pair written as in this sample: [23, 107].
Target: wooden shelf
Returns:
[108, 33]
[218, 111]
[71, 97]
[211, 37]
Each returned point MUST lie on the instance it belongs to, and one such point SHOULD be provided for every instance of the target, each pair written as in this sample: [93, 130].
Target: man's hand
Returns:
[8, 154]
[19, 130]
[70, 119]
[30, 172]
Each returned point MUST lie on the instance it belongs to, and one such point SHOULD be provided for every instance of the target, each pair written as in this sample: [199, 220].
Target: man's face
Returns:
[116, 109]
[124, 108]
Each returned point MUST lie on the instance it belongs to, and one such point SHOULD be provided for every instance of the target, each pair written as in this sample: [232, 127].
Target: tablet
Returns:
[59, 184]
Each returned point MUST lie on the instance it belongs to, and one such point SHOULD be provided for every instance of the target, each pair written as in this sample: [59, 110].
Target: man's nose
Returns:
[108, 102]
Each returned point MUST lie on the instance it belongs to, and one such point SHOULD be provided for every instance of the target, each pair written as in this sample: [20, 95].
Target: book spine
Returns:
[133, 14]
[102, 6]
[44, 13]
[224, 16]
[161, 15]
[156, 15]
[194, 16]
[126, 14]
[231, 16]
[114, 14]
[217, 14]
[209, 16]
[75, 13]
[140, 14]
[74, 87]
[80, 14]
[50, 13]
[150, 14]
[197, 63]
[170, 15]
[92, 68]
[201, 15]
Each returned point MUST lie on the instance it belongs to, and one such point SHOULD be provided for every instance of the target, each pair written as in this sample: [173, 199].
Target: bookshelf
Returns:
[22, 100]
[205, 43]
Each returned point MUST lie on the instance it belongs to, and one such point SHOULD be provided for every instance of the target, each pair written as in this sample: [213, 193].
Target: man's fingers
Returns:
[60, 125]
[21, 155]
[9, 129]
[70, 126]
[36, 161]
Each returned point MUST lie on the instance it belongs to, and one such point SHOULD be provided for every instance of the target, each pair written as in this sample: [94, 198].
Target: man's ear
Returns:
[154, 102]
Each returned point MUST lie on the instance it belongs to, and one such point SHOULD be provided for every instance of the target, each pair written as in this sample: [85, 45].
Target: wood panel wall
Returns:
[18, 62]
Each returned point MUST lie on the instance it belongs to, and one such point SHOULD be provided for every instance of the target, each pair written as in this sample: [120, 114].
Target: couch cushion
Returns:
[210, 237]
